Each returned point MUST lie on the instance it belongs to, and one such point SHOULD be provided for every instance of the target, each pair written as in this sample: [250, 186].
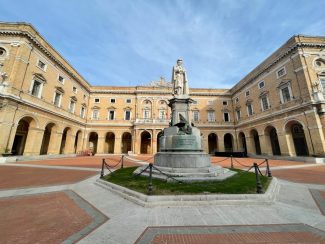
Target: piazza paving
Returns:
[57, 200]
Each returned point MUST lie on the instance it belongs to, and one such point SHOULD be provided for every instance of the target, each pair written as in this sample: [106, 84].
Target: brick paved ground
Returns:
[309, 175]
[22, 177]
[291, 233]
[265, 238]
[44, 218]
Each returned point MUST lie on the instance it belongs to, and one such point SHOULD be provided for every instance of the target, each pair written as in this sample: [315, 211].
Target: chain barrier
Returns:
[222, 160]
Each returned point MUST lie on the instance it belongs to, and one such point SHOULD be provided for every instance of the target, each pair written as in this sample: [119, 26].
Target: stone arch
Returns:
[212, 143]
[31, 119]
[256, 141]
[22, 134]
[160, 134]
[272, 140]
[145, 142]
[126, 142]
[296, 138]
[92, 142]
[242, 142]
[228, 140]
[48, 138]
[109, 142]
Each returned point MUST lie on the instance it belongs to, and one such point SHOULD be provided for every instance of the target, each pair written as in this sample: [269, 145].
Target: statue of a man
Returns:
[179, 79]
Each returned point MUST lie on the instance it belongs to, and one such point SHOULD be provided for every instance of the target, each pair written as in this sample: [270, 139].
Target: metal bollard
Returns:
[150, 188]
[269, 173]
[102, 171]
[259, 188]
[232, 164]
[122, 164]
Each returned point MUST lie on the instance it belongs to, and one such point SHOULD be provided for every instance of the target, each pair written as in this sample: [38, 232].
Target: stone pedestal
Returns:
[181, 156]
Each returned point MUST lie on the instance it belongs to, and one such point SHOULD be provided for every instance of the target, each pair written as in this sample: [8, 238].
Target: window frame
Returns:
[125, 112]
[39, 95]
[82, 114]
[43, 62]
[268, 103]
[251, 106]
[60, 98]
[278, 70]
[109, 114]
[213, 118]
[93, 112]
[261, 82]
[224, 117]
[198, 115]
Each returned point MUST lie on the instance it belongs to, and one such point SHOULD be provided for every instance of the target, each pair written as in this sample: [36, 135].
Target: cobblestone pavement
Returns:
[58, 200]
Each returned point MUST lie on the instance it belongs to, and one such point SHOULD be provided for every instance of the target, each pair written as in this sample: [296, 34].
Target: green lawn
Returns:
[242, 183]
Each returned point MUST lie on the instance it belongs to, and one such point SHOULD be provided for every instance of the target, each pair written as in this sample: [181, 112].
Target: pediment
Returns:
[264, 93]
[74, 98]
[60, 89]
[39, 76]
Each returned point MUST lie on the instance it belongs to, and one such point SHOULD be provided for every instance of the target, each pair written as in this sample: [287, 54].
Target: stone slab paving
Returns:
[289, 233]
[22, 177]
[47, 218]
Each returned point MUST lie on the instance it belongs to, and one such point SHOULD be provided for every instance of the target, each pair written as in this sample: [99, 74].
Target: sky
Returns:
[133, 42]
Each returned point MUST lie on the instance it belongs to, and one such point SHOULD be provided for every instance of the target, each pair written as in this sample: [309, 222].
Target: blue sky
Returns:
[134, 42]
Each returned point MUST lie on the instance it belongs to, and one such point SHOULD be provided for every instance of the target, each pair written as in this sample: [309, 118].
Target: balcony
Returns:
[152, 121]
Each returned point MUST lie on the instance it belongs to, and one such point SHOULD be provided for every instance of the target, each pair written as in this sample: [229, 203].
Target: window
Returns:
[210, 102]
[128, 100]
[249, 109]
[195, 102]
[36, 88]
[238, 114]
[112, 100]
[196, 116]
[82, 112]
[111, 115]
[265, 103]
[96, 100]
[72, 106]
[246, 93]
[57, 99]
[146, 113]
[2, 52]
[84, 97]
[224, 103]
[95, 114]
[322, 83]
[127, 115]
[74, 89]
[261, 84]
[162, 114]
[61, 79]
[41, 65]
[237, 99]
[281, 72]
[226, 117]
[211, 116]
[285, 94]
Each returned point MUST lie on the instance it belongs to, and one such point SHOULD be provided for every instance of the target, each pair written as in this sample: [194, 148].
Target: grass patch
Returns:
[241, 183]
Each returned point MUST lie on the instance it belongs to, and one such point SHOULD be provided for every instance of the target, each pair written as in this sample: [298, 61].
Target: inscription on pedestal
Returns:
[185, 141]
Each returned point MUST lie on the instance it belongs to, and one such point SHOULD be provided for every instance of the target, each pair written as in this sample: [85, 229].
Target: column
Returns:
[266, 148]
[154, 141]
[8, 132]
[250, 145]
[101, 143]
[69, 143]
[221, 143]
[33, 141]
[118, 144]
[284, 144]
[80, 141]
[55, 142]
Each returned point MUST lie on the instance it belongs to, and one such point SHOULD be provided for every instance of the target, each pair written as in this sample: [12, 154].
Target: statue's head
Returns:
[179, 61]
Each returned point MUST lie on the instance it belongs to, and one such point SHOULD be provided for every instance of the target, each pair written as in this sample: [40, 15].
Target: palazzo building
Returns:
[47, 107]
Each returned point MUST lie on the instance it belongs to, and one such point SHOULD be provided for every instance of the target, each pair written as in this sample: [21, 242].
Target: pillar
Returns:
[250, 145]
[221, 143]
[284, 144]
[118, 144]
[33, 141]
[69, 143]
[154, 141]
[55, 142]
[266, 148]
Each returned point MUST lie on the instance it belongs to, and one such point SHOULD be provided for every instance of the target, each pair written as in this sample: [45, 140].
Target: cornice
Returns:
[47, 53]
[291, 49]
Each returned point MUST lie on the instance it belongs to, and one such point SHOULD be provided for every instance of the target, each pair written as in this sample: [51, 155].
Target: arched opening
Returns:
[212, 142]
[64, 140]
[242, 142]
[46, 138]
[145, 142]
[110, 142]
[256, 139]
[126, 142]
[271, 132]
[160, 134]
[228, 142]
[298, 138]
[77, 141]
[92, 142]
[19, 143]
